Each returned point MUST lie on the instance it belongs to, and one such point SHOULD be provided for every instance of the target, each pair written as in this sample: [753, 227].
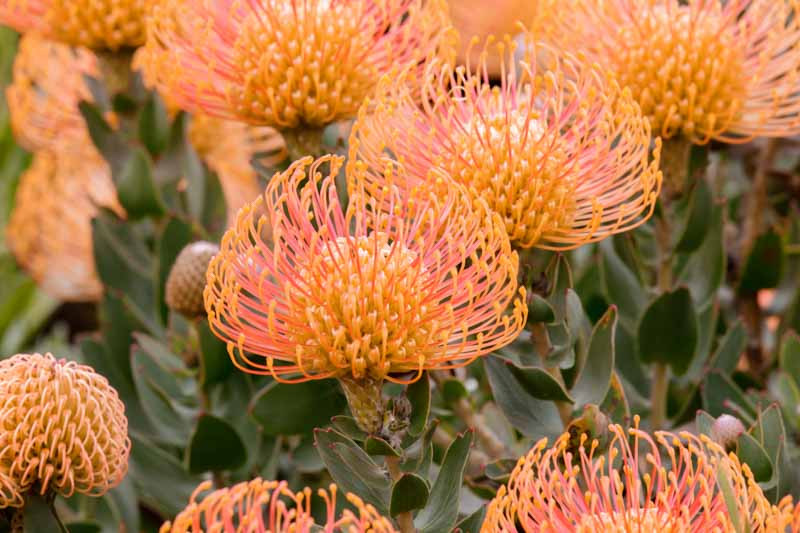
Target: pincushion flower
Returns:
[49, 81]
[286, 64]
[561, 155]
[361, 294]
[98, 24]
[702, 69]
[62, 427]
[260, 506]
[670, 483]
[49, 231]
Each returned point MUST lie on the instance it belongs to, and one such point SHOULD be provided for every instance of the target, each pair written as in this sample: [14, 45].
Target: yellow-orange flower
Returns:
[62, 426]
[10, 495]
[49, 81]
[286, 64]
[50, 232]
[560, 154]
[704, 69]
[670, 483]
[98, 24]
[362, 293]
[260, 506]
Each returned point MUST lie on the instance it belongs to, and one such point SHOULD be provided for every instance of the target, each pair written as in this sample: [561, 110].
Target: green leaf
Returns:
[377, 446]
[290, 409]
[84, 527]
[704, 423]
[721, 395]
[154, 127]
[38, 514]
[161, 481]
[108, 142]
[540, 384]
[453, 390]
[123, 503]
[215, 363]
[175, 235]
[419, 394]
[615, 404]
[409, 493]
[751, 452]
[540, 310]
[136, 189]
[594, 379]
[348, 426]
[534, 418]
[790, 355]
[621, 285]
[472, 523]
[764, 265]
[787, 393]
[730, 499]
[441, 513]
[215, 446]
[698, 218]
[730, 349]
[353, 470]
[668, 331]
[705, 269]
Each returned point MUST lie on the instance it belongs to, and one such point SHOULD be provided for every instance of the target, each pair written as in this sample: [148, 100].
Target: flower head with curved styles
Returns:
[561, 155]
[49, 83]
[260, 506]
[670, 483]
[62, 426]
[362, 293]
[97, 24]
[703, 69]
[49, 231]
[286, 64]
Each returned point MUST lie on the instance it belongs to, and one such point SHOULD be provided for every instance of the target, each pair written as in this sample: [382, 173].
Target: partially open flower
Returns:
[98, 24]
[286, 64]
[48, 84]
[260, 506]
[666, 483]
[703, 69]
[559, 153]
[62, 427]
[50, 231]
[362, 293]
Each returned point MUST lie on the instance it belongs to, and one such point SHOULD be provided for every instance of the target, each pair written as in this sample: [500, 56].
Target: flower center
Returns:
[303, 64]
[98, 23]
[684, 70]
[360, 307]
[508, 159]
[634, 521]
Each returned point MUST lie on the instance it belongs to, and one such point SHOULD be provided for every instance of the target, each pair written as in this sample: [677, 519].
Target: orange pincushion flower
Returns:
[362, 293]
[704, 69]
[50, 232]
[666, 483]
[10, 495]
[286, 64]
[559, 154]
[49, 83]
[98, 24]
[62, 426]
[260, 506]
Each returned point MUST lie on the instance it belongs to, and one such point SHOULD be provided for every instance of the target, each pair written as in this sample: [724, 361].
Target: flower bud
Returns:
[726, 429]
[187, 279]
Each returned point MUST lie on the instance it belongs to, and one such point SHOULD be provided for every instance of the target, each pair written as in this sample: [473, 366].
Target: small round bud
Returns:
[187, 279]
[726, 429]
[62, 427]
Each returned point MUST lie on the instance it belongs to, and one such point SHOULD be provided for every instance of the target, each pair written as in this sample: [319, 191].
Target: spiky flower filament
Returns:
[97, 24]
[49, 81]
[364, 292]
[260, 506]
[49, 230]
[561, 154]
[62, 427]
[286, 64]
[667, 482]
[703, 69]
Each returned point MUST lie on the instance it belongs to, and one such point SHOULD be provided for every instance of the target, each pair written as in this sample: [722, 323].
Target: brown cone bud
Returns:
[726, 430]
[187, 279]
[62, 427]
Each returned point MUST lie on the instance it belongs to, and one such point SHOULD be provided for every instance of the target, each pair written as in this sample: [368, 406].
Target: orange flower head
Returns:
[62, 426]
[362, 293]
[97, 24]
[260, 506]
[560, 155]
[286, 64]
[10, 495]
[50, 231]
[49, 83]
[670, 483]
[703, 69]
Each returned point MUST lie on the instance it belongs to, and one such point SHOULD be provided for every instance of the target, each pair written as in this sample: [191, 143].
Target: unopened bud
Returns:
[726, 430]
[187, 279]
